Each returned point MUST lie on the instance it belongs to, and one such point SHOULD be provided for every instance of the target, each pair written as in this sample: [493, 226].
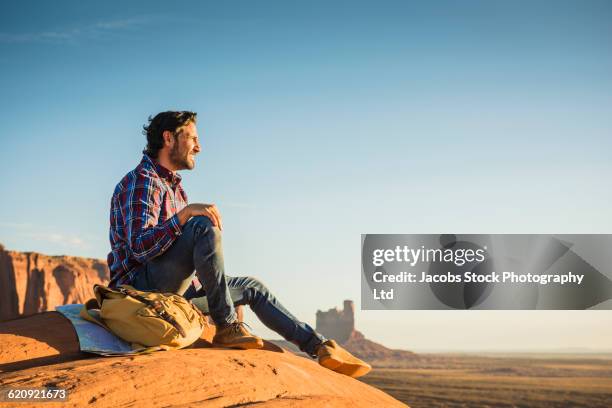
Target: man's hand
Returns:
[208, 210]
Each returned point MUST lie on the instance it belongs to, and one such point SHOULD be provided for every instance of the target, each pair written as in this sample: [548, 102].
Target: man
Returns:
[158, 240]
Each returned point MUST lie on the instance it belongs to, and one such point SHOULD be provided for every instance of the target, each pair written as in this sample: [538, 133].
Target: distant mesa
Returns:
[337, 324]
[340, 326]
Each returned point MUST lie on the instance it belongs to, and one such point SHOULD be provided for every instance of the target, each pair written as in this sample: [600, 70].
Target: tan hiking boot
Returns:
[337, 359]
[236, 335]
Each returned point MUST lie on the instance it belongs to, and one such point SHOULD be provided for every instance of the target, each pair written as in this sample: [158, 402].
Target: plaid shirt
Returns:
[143, 220]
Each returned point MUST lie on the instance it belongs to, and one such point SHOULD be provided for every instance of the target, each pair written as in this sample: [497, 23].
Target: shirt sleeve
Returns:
[141, 206]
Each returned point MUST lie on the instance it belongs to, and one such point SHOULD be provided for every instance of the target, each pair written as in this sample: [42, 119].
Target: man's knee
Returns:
[257, 285]
[202, 225]
[200, 221]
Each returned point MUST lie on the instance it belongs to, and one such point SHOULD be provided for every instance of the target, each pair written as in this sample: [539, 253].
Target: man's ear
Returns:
[168, 137]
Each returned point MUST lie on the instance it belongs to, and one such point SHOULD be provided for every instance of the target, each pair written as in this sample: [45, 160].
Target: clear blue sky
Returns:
[321, 121]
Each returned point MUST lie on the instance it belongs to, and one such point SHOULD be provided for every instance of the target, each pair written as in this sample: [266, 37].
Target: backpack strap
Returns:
[88, 314]
[156, 306]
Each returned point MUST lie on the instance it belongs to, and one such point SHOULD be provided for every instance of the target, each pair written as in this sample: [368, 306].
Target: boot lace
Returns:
[240, 327]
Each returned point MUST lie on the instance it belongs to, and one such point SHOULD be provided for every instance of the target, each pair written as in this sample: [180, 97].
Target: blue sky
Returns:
[321, 121]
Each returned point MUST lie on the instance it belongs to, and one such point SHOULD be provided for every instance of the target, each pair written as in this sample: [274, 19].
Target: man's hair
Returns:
[169, 120]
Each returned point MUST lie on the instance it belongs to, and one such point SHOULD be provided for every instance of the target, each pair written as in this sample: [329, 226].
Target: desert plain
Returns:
[534, 380]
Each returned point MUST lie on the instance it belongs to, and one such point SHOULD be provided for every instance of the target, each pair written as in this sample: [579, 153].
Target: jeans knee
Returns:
[201, 221]
[257, 285]
[203, 224]
[257, 292]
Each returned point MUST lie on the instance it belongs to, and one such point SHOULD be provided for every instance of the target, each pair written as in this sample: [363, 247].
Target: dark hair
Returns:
[169, 120]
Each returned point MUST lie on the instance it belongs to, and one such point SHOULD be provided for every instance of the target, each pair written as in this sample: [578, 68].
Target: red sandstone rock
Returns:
[32, 282]
[42, 350]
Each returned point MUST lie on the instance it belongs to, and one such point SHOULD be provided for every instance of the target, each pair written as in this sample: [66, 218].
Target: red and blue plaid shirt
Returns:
[143, 220]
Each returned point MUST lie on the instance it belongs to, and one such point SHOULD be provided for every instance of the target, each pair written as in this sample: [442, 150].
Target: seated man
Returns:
[158, 240]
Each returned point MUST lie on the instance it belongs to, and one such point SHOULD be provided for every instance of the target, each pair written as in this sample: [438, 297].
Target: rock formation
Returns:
[32, 282]
[42, 351]
[337, 324]
[340, 325]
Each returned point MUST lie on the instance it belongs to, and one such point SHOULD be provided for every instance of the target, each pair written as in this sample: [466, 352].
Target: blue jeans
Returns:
[199, 247]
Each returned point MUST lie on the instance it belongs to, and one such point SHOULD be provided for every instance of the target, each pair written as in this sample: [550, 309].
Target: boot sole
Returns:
[243, 346]
[351, 369]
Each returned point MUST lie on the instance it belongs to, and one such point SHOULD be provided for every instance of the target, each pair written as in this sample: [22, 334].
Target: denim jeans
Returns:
[199, 247]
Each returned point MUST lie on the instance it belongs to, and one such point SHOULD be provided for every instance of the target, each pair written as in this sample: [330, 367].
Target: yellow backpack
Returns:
[148, 320]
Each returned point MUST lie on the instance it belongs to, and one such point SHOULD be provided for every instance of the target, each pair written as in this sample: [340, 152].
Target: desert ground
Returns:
[42, 350]
[521, 380]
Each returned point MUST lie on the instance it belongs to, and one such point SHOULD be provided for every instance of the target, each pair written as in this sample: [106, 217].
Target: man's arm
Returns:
[208, 210]
[141, 204]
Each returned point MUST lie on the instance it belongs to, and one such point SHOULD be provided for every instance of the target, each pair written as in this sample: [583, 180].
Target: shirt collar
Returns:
[173, 178]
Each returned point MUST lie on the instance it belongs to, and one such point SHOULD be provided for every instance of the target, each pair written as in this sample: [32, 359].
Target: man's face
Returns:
[186, 146]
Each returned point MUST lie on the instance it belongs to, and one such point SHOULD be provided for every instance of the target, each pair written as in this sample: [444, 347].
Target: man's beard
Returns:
[181, 160]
